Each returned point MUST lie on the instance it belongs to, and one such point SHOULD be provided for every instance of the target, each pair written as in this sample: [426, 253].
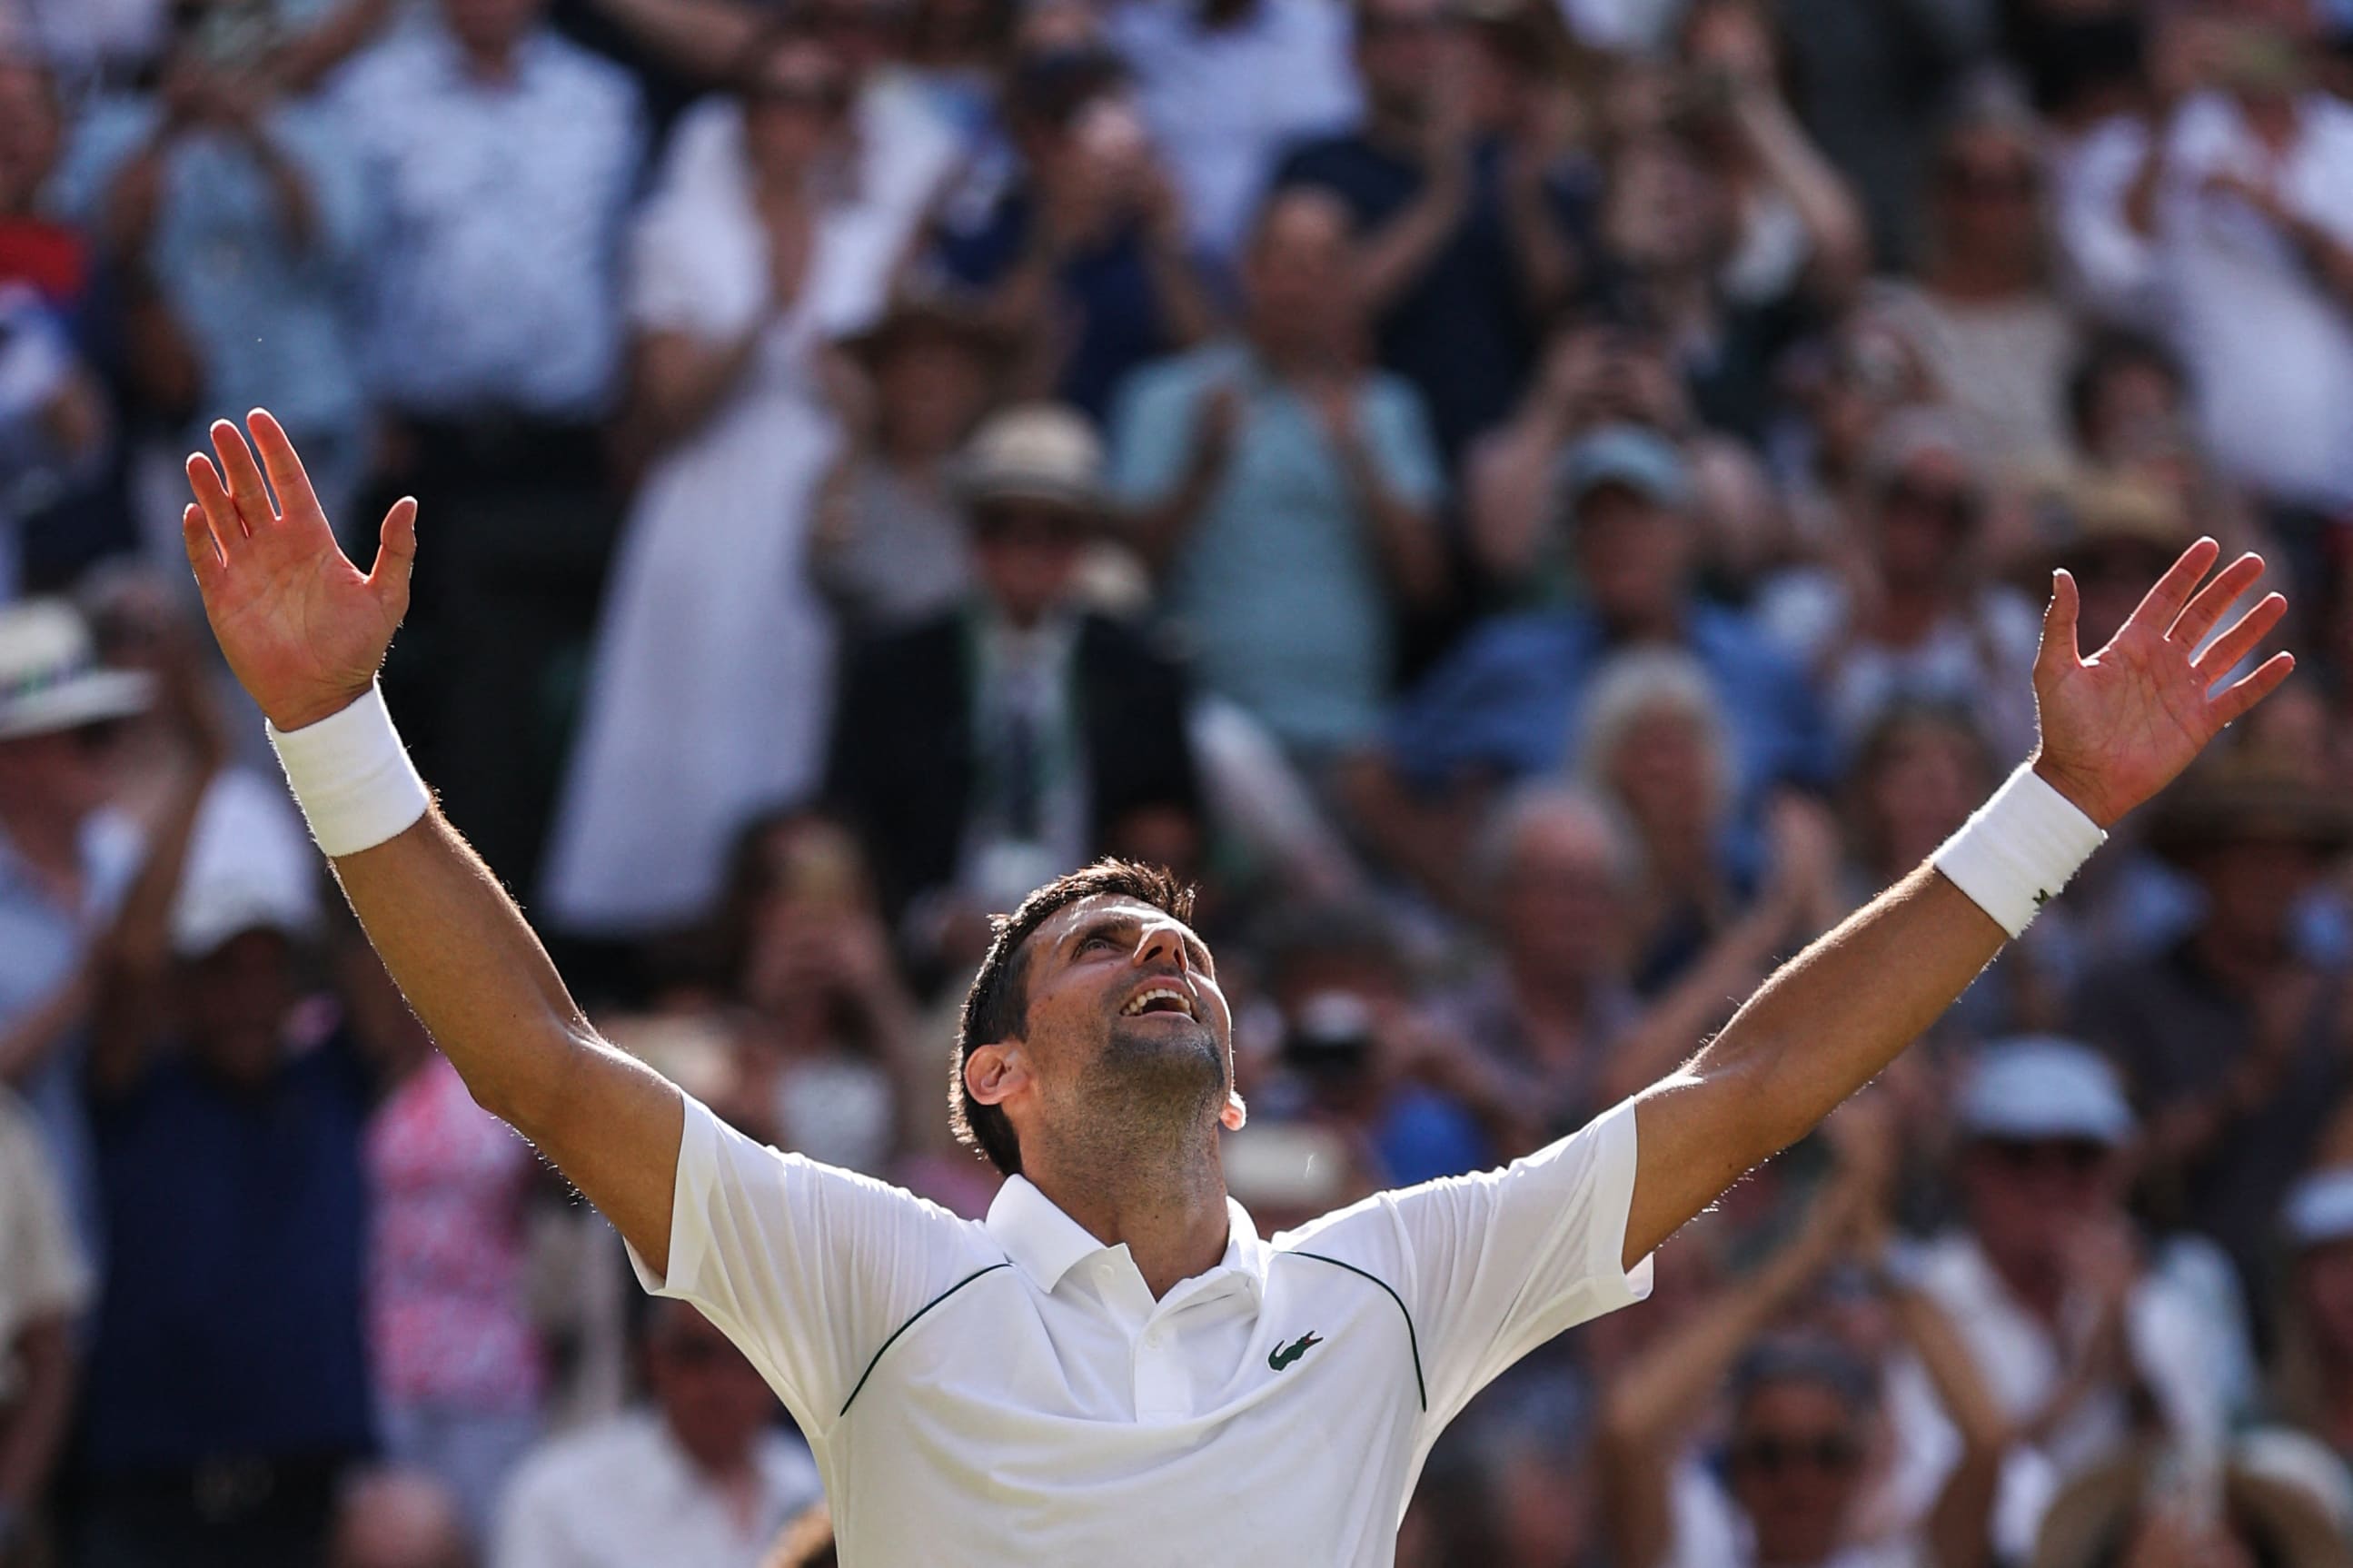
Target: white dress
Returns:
[712, 679]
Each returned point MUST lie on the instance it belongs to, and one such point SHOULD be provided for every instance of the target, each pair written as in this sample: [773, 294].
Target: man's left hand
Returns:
[2121, 725]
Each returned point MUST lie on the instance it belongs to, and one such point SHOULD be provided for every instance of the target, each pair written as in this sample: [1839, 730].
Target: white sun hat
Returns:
[50, 679]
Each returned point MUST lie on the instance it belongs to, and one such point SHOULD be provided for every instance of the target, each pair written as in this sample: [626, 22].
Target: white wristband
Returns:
[2014, 854]
[352, 776]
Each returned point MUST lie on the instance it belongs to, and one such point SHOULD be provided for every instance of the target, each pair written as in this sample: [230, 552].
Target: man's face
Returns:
[711, 1400]
[1632, 554]
[1399, 47]
[1125, 1020]
[1797, 1454]
[1560, 902]
[491, 26]
[1296, 275]
[236, 1000]
[2325, 1281]
[64, 771]
[2031, 1200]
[2253, 890]
[1026, 554]
[1925, 515]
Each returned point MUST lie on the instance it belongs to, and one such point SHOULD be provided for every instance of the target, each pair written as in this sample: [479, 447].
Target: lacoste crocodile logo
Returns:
[1283, 1357]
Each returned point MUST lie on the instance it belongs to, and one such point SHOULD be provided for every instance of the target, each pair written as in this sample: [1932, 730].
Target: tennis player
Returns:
[1112, 1368]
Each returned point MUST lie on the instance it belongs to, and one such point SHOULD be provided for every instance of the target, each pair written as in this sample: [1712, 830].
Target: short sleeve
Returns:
[808, 1268]
[1498, 1262]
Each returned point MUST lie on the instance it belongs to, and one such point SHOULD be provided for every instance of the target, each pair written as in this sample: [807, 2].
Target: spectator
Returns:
[457, 1373]
[1468, 215]
[1993, 336]
[2266, 1502]
[2313, 1384]
[2247, 205]
[66, 861]
[1796, 222]
[1507, 703]
[1079, 255]
[244, 212]
[1812, 1435]
[707, 696]
[703, 1476]
[504, 159]
[229, 1145]
[2229, 1038]
[888, 548]
[1253, 466]
[1866, 70]
[1554, 868]
[824, 1032]
[1916, 617]
[44, 1285]
[1226, 85]
[1406, 1098]
[1021, 735]
[1654, 742]
[396, 1519]
[2074, 1322]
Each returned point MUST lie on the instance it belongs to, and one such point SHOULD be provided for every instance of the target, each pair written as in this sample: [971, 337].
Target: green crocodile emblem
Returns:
[1283, 1357]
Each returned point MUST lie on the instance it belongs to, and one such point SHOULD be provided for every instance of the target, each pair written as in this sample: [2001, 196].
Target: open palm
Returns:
[2121, 725]
[303, 628]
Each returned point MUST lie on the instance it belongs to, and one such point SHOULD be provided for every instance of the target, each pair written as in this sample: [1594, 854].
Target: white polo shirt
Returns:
[1009, 1392]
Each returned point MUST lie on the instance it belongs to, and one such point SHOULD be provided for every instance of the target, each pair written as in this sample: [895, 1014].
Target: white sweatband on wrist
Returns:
[352, 776]
[2014, 854]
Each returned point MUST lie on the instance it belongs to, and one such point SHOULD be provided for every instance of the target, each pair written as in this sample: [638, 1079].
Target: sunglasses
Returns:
[1771, 1456]
[1024, 525]
[99, 737]
[1953, 508]
[2069, 1156]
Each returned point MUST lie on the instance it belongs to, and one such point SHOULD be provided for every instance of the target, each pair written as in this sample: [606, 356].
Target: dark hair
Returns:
[2113, 349]
[998, 1006]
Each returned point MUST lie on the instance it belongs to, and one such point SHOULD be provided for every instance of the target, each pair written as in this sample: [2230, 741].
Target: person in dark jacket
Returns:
[1019, 734]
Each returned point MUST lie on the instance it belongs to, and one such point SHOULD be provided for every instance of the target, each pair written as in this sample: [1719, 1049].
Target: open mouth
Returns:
[1160, 998]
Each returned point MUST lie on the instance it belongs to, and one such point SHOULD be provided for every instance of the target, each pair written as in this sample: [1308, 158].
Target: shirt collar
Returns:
[1045, 1243]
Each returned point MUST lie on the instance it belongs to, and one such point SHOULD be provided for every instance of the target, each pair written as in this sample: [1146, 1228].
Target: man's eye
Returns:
[1098, 939]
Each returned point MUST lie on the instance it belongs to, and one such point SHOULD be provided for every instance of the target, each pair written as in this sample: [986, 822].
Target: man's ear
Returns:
[992, 1073]
[1234, 1113]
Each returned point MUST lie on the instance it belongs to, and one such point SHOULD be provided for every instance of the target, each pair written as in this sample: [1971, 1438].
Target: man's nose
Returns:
[1162, 944]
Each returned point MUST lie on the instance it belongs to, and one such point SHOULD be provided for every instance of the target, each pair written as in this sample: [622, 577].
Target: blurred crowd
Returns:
[1539, 507]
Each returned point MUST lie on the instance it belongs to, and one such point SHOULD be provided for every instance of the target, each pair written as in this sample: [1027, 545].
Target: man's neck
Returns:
[491, 65]
[1168, 1207]
[2245, 963]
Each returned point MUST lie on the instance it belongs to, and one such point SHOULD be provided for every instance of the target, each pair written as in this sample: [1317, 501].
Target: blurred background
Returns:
[1540, 506]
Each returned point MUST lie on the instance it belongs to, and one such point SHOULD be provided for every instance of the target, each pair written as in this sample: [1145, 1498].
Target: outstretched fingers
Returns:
[2240, 695]
[2162, 605]
[220, 513]
[2223, 654]
[244, 477]
[2206, 611]
[295, 495]
[205, 557]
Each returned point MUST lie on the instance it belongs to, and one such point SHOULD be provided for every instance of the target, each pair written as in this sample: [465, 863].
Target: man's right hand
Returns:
[303, 628]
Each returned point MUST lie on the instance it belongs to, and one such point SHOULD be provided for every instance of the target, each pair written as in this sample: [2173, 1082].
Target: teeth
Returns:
[1139, 1002]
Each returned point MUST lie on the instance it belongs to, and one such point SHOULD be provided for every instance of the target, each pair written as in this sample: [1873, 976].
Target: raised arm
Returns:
[2115, 728]
[304, 630]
